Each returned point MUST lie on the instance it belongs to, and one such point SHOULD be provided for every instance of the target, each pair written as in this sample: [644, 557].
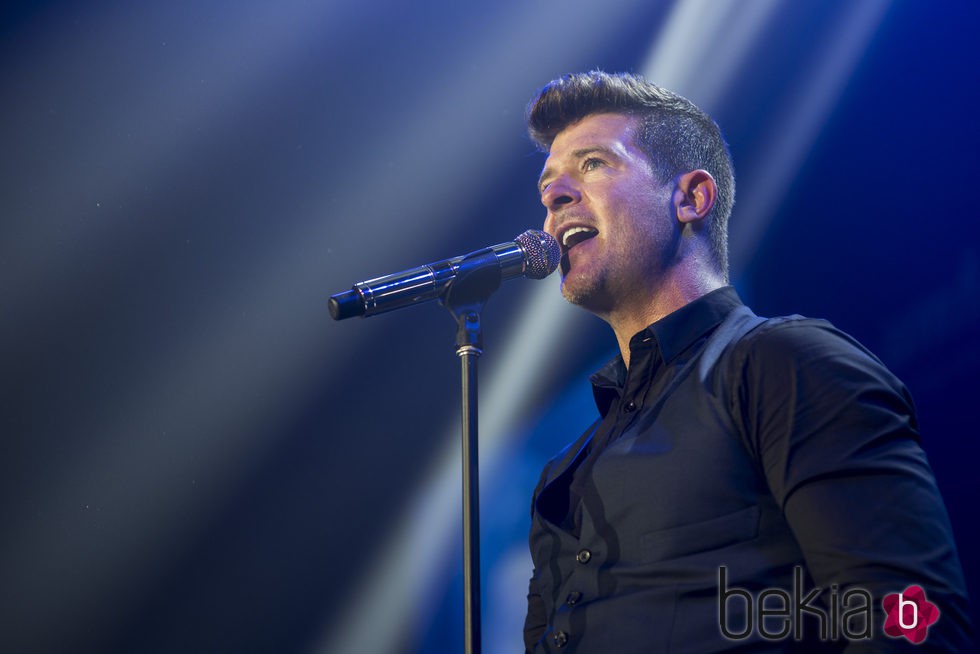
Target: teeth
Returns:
[572, 232]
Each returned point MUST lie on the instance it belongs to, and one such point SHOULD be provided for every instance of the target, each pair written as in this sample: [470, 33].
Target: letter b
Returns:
[902, 603]
[724, 594]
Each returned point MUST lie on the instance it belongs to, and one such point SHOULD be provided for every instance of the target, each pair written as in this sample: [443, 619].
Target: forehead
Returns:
[608, 131]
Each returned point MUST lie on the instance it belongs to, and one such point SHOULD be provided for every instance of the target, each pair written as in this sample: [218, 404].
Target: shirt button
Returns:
[583, 556]
[559, 638]
[573, 598]
[630, 407]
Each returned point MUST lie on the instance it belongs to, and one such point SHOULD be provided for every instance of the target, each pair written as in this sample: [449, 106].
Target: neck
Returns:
[636, 313]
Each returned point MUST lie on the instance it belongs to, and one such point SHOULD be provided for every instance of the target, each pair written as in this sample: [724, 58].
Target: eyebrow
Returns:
[577, 155]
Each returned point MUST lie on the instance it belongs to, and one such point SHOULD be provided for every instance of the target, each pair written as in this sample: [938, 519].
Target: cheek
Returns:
[549, 224]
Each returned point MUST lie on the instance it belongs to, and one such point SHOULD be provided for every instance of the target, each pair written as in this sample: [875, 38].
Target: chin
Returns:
[579, 292]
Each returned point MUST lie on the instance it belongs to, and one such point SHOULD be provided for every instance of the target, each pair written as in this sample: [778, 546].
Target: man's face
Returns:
[608, 211]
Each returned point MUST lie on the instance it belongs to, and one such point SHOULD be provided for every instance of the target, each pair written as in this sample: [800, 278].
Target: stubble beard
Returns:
[606, 287]
[574, 294]
[584, 289]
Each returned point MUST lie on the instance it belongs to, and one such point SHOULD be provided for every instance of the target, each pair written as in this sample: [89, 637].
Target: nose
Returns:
[559, 193]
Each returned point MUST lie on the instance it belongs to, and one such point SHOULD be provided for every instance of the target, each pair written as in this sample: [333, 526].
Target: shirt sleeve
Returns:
[837, 439]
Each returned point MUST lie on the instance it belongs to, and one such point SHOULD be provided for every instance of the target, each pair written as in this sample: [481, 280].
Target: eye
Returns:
[592, 163]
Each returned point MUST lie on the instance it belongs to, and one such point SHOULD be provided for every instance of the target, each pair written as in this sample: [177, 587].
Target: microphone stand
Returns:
[473, 285]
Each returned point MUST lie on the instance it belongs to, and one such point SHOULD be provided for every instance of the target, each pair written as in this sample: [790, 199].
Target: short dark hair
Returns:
[673, 132]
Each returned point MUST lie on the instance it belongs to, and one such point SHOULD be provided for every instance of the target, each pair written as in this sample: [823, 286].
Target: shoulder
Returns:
[806, 367]
[796, 344]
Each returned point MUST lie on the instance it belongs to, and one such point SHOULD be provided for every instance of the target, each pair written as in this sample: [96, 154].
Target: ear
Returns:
[694, 195]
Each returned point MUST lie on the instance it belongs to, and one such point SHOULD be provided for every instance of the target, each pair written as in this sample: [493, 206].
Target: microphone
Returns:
[533, 254]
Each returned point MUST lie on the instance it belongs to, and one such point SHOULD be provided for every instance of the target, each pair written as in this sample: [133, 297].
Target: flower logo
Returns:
[909, 614]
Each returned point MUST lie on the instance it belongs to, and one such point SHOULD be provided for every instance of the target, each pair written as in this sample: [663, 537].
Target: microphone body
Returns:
[533, 254]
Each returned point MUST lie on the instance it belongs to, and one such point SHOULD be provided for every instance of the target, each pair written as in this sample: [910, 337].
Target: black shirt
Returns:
[780, 450]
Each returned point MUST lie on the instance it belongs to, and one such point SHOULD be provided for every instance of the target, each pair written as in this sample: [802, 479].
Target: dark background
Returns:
[194, 457]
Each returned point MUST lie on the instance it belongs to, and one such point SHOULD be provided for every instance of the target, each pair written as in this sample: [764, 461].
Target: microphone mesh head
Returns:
[541, 253]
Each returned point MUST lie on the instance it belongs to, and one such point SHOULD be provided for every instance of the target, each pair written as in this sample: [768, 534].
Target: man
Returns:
[751, 484]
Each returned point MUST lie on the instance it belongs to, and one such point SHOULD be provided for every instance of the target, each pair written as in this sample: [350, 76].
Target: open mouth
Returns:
[576, 235]
[570, 239]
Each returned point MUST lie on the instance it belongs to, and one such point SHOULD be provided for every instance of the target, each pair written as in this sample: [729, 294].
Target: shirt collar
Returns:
[674, 333]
